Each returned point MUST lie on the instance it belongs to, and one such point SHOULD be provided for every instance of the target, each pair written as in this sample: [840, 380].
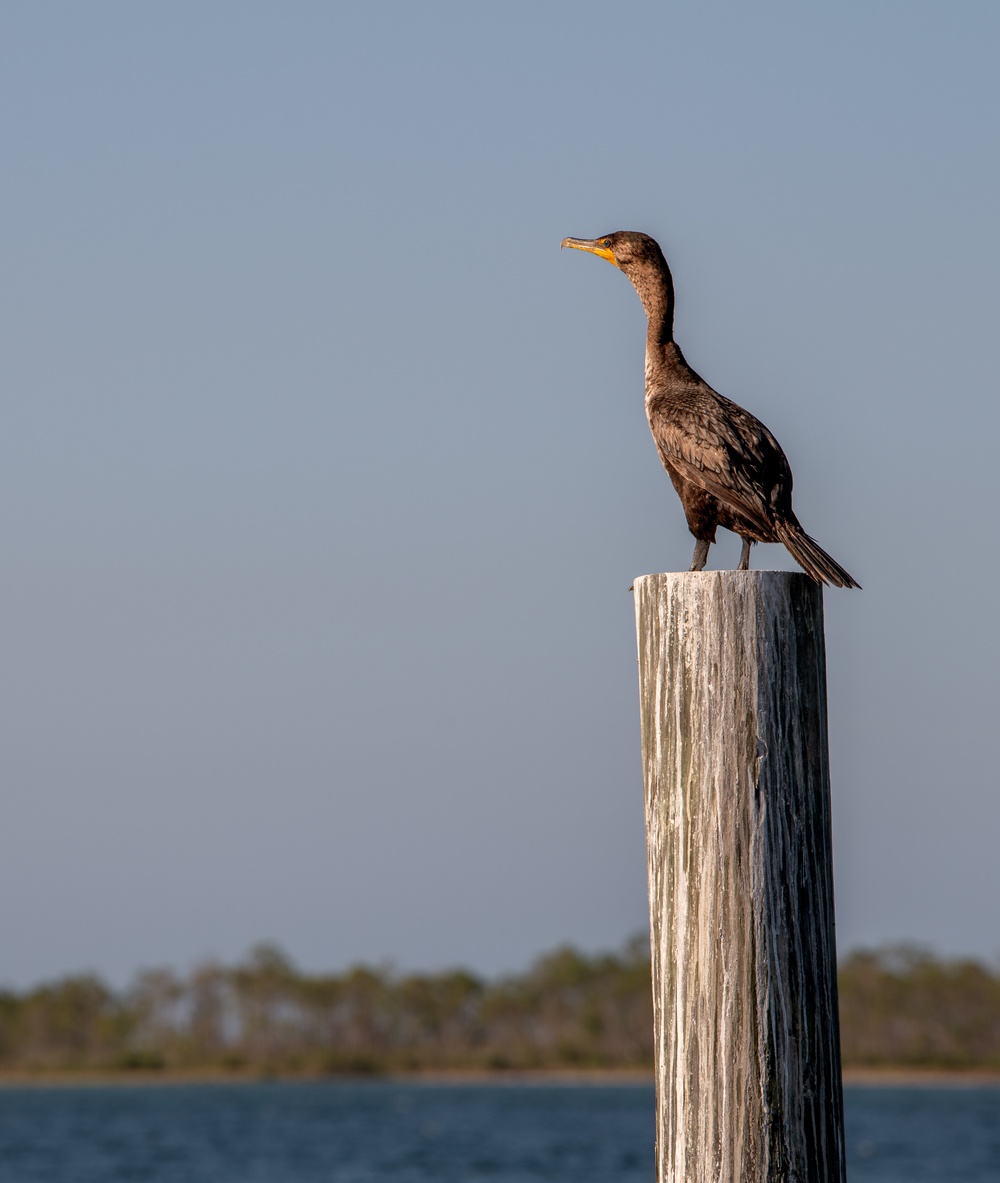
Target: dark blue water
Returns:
[370, 1133]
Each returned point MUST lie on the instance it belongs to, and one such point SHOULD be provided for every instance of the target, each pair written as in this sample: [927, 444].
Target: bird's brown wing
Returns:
[716, 445]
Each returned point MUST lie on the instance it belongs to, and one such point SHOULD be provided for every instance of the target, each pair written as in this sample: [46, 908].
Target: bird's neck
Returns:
[656, 291]
[664, 364]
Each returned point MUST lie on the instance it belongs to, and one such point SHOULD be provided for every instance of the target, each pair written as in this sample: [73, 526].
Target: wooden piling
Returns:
[733, 701]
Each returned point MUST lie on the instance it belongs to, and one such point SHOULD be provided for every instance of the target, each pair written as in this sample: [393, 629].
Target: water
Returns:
[370, 1133]
[922, 1135]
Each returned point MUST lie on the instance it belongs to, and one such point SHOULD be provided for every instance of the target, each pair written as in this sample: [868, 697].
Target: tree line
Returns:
[899, 1007]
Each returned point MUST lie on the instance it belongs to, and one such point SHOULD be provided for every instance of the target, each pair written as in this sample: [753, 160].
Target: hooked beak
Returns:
[594, 245]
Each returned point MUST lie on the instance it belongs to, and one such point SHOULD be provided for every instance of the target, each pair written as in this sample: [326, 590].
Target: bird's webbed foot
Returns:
[700, 555]
[745, 556]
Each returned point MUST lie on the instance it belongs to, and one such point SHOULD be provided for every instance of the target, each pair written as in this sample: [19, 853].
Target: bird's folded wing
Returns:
[715, 457]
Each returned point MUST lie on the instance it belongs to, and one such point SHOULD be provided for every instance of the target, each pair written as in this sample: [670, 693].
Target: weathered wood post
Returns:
[732, 684]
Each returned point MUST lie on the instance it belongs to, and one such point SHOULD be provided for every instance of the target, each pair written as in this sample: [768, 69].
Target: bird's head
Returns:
[642, 261]
[629, 250]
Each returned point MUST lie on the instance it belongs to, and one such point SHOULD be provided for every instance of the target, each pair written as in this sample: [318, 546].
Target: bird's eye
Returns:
[607, 242]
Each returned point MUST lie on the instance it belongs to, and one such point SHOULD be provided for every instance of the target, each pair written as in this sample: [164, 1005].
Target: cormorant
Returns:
[727, 468]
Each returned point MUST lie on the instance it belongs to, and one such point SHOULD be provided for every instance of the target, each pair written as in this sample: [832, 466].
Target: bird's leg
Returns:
[745, 556]
[700, 555]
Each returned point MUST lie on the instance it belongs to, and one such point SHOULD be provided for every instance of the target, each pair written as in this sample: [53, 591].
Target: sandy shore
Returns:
[916, 1077]
[867, 1077]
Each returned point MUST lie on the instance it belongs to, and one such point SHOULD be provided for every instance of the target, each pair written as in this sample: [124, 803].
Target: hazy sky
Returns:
[325, 474]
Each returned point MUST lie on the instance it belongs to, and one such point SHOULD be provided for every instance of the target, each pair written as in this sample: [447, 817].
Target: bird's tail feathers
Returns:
[811, 557]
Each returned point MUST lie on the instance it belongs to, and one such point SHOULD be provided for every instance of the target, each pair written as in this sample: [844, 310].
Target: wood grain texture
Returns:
[733, 700]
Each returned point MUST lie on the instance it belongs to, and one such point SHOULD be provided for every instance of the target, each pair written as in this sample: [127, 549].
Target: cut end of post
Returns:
[772, 598]
[729, 578]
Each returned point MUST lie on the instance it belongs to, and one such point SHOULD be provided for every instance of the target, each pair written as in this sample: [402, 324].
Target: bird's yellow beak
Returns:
[594, 245]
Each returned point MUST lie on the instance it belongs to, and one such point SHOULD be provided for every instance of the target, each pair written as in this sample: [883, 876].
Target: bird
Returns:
[726, 467]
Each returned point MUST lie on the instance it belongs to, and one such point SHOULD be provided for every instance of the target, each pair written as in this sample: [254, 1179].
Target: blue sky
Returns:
[324, 474]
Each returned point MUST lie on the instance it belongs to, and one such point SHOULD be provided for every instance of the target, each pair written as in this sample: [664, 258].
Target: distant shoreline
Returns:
[854, 1076]
[920, 1077]
[567, 1014]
